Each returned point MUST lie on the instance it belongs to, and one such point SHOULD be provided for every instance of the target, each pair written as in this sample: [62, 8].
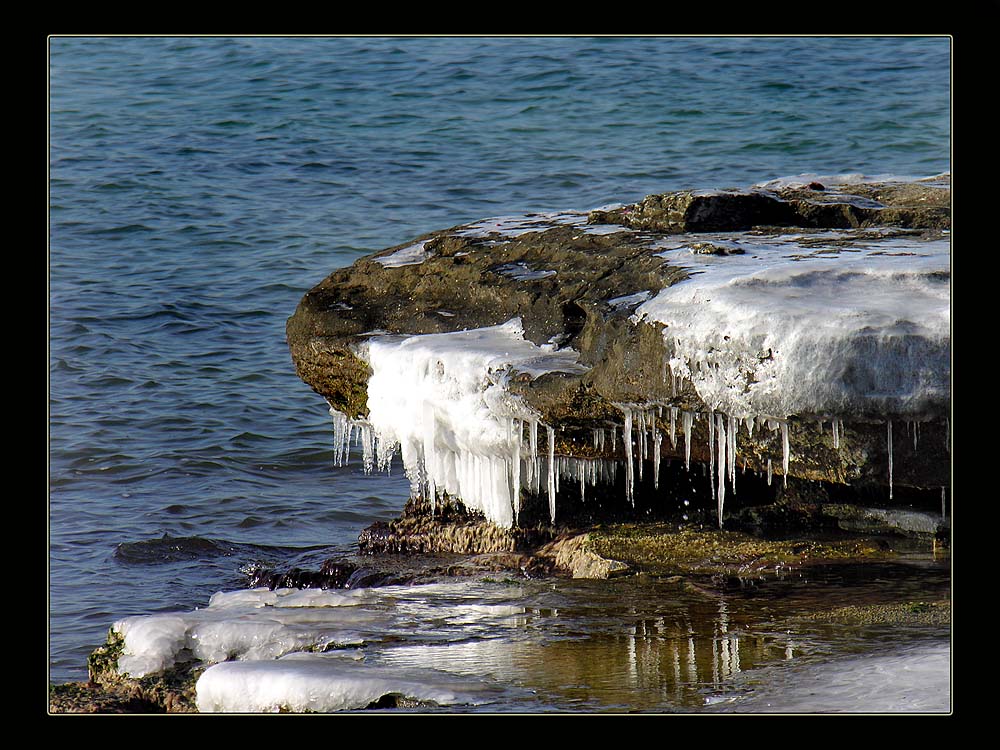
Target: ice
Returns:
[523, 272]
[629, 300]
[723, 443]
[686, 419]
[785, 330]
[911, 679]
[253, 624]
[785, 451]
[552, 474]
[711, 451]
[889, 446]
[627, 440]
[321, 684]
[657, 441]
[443, 400]
[409, 256]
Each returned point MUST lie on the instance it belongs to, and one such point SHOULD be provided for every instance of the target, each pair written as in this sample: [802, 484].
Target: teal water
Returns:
[200, 186]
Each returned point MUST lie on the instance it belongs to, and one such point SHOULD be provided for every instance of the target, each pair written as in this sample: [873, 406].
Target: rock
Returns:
[332, 575]
[922, 205]
[580, 287]
[571, 554]
[885, 520]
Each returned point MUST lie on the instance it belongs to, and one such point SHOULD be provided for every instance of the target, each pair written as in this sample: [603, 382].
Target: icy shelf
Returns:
[786, 329]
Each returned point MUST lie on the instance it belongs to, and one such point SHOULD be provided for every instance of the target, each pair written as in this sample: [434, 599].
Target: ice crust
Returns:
[411, 255]
[787, 330]
[442, 400]
[303, 649]
[252, 624]
[319, 683]
[915, 679]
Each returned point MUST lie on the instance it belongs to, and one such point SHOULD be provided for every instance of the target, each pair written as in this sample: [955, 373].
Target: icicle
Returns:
[642, 441]
[711, 450]
[580, 472]
[889, 440]
[367, 448]
[723, 443]
[552, 473]
[657, 439]
[686, 420]
[515, 481]
[916, 429]
[943, 503]
[536, 469]
[836, 434]
[784, 453]
[642, 436]
[673, 426]
[733, 425]
[769, 472]
[614, 438]
[627, 439]
[339, 432]
[750, 425]
[947, 434]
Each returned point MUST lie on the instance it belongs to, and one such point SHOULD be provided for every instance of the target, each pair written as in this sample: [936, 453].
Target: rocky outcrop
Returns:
[920, 205]
[580, 282]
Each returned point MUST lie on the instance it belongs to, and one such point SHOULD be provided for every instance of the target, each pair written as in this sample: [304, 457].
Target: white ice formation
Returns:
[411, 255]
[443, 401]
[787, 329]
[302, 650]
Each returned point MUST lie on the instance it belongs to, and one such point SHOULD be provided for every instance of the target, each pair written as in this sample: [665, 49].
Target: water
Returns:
[199, 187]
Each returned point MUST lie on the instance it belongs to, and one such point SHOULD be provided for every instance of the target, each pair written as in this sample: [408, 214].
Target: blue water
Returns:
[200, 186]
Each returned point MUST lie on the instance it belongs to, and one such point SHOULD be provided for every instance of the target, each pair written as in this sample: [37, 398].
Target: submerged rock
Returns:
[691, 353]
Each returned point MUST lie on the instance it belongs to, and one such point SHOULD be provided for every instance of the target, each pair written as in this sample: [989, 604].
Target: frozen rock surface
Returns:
[787, 330]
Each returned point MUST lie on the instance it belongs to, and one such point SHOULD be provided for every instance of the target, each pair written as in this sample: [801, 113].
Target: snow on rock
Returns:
[786, 330]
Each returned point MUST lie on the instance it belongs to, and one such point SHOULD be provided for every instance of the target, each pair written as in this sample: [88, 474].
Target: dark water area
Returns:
[198, 187]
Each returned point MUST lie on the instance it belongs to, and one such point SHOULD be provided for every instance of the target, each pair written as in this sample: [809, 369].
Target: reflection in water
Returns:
[656, 663]
[611, 647]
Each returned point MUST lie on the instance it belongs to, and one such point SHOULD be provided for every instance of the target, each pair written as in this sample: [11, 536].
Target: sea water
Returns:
[200, 186]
